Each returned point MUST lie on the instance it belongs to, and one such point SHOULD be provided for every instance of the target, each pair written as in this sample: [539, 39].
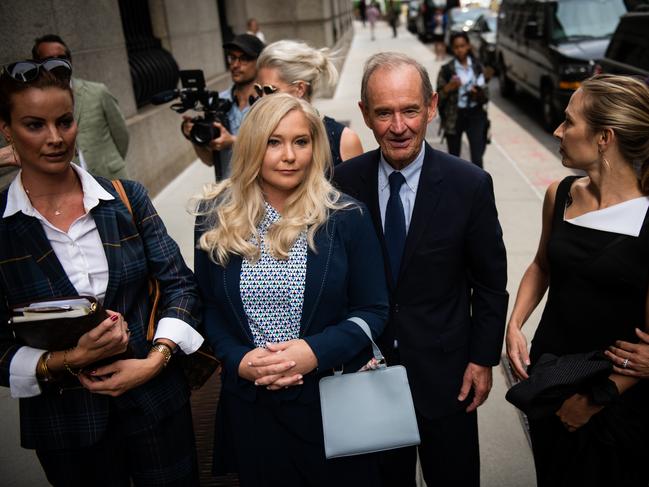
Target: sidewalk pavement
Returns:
[521, 168]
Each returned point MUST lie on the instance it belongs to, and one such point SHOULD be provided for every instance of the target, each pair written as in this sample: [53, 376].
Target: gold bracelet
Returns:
[66, 365]
[165, 350]
[42, 370]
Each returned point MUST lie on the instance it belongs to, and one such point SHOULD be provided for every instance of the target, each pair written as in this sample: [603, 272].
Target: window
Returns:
[152, 68]
[585, 19]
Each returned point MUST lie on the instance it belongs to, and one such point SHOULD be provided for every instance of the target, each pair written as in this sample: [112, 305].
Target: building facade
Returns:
[136, 47]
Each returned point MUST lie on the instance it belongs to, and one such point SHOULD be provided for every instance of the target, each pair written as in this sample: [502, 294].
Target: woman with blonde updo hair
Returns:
[285, 263]
[298, 69]
[593, 258]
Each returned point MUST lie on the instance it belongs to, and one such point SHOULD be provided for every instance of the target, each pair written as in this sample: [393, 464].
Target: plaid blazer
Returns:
[69, 416]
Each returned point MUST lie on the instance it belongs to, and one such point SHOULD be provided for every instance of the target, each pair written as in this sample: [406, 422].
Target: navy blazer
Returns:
[344, 279]
[449, 303]
[29, 269]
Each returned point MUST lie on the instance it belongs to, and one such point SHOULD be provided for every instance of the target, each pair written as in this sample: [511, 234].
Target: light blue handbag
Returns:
[369, 411]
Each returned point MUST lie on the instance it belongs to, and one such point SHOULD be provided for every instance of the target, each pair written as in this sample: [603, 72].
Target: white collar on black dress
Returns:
[625, 218]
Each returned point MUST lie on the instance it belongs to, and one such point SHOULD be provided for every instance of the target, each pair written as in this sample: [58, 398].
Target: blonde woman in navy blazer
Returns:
[64, 232]
[279, 335]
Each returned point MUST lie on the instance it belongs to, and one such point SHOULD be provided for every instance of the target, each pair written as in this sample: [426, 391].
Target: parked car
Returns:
[547, 47]
[461, 19]
[482, 35]
[628, 51]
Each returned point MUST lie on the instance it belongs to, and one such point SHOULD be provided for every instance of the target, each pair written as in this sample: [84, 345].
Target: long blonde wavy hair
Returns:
[233, 208]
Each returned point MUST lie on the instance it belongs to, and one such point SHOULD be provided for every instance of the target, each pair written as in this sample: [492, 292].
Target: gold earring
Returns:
[605, 161]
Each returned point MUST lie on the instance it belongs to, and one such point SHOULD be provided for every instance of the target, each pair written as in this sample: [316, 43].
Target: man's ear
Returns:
[365, 113]
[432, 107]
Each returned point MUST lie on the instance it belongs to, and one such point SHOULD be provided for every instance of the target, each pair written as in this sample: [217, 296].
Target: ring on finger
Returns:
[625, 364]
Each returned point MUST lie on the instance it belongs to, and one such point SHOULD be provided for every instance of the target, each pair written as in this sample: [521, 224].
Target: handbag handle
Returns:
[154, 285]
[376, 351]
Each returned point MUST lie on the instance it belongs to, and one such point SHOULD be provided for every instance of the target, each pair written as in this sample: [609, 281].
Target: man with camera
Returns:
[463, 96]
[241, 54]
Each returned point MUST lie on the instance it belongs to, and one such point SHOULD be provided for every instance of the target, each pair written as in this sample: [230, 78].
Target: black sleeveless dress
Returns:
[597, 295]
[334, 133]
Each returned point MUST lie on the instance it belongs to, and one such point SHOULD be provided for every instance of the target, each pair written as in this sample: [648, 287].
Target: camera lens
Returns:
[203, 132]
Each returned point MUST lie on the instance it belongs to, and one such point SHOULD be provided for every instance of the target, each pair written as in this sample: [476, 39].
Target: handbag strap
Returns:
[375, 348]
[154, 285]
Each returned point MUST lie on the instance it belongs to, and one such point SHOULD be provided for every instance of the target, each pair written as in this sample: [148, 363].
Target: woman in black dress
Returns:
[594, 258]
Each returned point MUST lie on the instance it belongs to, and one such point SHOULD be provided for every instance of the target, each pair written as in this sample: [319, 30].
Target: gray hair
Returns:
[297, 61]
[393, 60]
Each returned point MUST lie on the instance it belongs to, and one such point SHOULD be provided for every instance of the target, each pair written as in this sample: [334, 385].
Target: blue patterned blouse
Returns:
[272, 290]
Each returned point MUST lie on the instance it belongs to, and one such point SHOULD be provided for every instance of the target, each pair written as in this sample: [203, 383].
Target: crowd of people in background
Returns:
[302, 235]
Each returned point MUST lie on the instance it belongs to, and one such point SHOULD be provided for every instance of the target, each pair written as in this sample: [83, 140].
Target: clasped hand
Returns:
[576, 411]
[279, 365]
[122, 375]
[108, 339]
[631, 359]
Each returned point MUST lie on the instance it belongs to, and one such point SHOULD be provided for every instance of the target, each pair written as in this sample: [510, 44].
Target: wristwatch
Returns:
[165, 350]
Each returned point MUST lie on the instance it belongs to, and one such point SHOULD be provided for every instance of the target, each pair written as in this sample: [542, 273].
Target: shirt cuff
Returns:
[179, 332]
[22, 372]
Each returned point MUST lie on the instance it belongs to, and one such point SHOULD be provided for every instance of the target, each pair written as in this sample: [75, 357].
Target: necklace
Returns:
[57, 207]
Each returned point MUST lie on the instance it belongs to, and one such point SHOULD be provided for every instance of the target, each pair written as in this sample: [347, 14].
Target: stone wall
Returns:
[318, 22]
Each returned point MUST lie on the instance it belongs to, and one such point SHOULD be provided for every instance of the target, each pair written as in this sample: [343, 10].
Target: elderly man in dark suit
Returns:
[445, 264]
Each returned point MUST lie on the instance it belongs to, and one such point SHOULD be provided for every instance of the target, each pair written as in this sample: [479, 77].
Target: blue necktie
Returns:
[395, 224]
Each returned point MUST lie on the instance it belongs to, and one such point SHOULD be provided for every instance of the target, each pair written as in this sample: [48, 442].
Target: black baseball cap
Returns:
[246, 43]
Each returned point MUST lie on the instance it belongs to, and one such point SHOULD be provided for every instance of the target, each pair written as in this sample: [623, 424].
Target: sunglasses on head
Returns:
[28, 71]
[265, 89]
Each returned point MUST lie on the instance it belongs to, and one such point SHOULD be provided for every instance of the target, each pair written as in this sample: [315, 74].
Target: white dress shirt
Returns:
[407, 192]
[468, 79]
[81, 254]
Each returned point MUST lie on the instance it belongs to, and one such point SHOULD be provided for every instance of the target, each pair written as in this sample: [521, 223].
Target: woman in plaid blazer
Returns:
[65, 233]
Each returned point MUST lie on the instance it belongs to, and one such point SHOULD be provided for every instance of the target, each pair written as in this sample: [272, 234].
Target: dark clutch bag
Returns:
[55, 323]
[199, 366]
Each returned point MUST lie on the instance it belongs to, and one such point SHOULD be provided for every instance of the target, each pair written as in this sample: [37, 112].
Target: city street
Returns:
[522, 159]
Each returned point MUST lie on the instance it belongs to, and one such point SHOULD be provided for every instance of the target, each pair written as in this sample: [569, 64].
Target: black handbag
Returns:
[199, 366]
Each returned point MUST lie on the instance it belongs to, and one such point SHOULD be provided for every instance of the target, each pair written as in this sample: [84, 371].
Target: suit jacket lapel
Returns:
[106, 220]
[316, 272]
[370, 178]
[231, 283]
[425, 203]
[29, 231]
[370, 194]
